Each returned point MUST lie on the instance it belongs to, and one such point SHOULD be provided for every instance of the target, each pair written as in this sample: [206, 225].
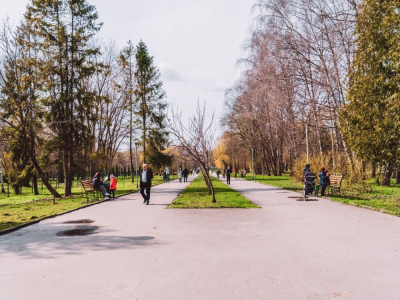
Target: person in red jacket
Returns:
[113, 185]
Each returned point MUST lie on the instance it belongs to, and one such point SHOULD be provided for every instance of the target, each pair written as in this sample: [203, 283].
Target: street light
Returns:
[252, 162]
[1, 177]
[308, 160]
[137, 183]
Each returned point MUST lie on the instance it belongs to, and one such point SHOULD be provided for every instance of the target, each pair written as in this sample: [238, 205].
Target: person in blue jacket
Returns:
[323, 180]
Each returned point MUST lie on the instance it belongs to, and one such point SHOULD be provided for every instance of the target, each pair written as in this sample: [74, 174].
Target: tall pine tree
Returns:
[371, 118]
[127, 63]
[63, 29]
[150, 101]
[21, 112]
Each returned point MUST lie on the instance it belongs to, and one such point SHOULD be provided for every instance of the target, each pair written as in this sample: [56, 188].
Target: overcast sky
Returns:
[195, 43]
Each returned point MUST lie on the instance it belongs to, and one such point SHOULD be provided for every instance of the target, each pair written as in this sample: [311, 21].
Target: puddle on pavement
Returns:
[302, 199]
[83, 221]
[80, 231]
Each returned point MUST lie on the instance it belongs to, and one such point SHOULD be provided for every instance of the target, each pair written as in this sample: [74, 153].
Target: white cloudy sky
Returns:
[195, 43]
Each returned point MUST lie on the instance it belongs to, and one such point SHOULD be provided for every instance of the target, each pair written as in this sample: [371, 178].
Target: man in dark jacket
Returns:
[185, 173]
[228, 175]
[146, 176]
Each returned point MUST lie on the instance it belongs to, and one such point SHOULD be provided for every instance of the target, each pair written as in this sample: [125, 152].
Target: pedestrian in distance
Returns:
[167, 173]
[185, 173]
[164, 175]
[218, 172]
[223, 173]
[113, 185]
[241, 173]
[180, 174]
[323, 180]
[146, 176]
[228, 175]
[235, 171]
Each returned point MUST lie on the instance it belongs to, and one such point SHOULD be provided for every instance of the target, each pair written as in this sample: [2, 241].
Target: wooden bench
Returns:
[88, 188]
[336, 182]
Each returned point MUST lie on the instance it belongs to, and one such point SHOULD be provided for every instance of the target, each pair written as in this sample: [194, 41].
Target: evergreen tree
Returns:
[371, 119]
[20, 108]
[126, 60]
[156, 158]
[150, 101]
[62, 29]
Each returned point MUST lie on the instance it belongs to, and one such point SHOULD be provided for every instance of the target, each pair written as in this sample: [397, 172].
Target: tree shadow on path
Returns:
[42, 241]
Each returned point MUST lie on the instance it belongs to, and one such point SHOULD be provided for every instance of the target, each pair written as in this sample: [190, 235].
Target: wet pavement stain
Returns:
[80, 231]
[83, 221]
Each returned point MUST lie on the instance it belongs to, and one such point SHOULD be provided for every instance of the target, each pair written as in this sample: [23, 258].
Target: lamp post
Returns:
[308, 161]
[1, 177]
[137, 183]
[252, 162]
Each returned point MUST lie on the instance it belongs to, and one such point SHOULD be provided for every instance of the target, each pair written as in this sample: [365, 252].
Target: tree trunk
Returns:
[67, 175]
[397, 175]
[373, 175]
[44, 179]
[387, 176]
[208, 182]
[35, 183]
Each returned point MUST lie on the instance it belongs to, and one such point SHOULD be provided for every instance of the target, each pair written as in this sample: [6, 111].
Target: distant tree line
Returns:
[70, 101]
[330, 66]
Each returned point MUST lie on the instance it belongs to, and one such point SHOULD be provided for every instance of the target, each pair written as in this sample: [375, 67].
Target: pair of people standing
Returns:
[166, 175]
[324, 180]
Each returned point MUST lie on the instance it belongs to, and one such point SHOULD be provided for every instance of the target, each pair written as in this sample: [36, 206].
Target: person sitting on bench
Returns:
[98, 185]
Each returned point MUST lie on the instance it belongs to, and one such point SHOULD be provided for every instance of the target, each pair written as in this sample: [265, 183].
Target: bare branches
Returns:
[197, 140]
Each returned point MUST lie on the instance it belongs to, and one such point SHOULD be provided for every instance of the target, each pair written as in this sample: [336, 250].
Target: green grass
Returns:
[23, 209]
[196, 196]
[382, 198]
[284, 181]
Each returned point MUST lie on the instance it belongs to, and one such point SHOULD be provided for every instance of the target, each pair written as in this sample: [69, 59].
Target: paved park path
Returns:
[285, 250]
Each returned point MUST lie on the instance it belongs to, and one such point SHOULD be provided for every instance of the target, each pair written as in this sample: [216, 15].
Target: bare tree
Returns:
[196, 140]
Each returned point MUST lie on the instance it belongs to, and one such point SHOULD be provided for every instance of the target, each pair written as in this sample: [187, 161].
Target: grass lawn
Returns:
[385, 199]
[20, 210]
[196, 196]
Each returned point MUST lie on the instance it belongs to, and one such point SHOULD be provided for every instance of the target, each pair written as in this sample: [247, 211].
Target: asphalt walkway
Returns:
[285, 250]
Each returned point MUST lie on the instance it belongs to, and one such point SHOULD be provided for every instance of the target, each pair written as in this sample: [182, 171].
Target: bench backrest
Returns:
[87, 184]
[336, 179]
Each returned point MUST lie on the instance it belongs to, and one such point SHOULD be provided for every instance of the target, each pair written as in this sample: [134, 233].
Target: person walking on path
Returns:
[146, 176]
[113, 185]
[167, 173]
[185, 173]
[218, 172]
[228, 175]
[235, 171]
[323, 180]
[164, 176]
[180, 174]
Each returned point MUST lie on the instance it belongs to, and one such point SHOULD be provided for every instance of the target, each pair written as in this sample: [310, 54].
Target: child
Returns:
[113, 185]
[180, 175]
